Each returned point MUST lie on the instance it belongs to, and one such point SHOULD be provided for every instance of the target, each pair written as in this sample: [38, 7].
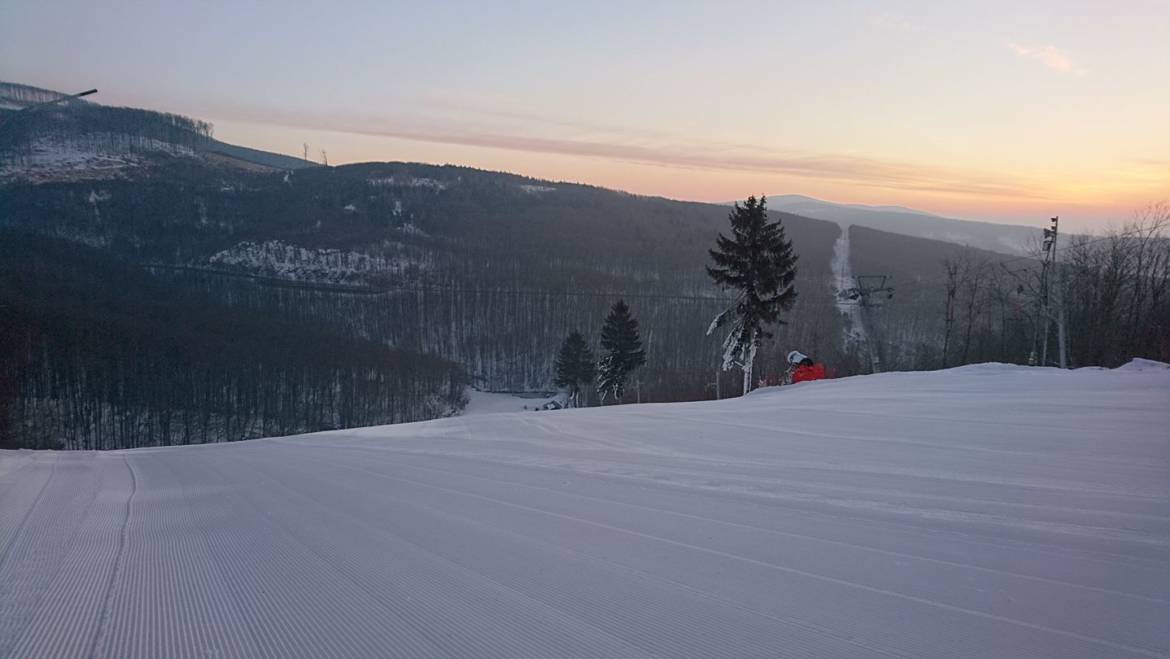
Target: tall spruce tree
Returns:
[623, 352]
[574, 367]
[759, 263]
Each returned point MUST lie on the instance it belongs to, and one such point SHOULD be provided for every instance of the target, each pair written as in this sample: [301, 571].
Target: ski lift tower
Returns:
[870, 292]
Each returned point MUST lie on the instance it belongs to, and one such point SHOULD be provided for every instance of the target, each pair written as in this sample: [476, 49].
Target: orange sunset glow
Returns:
[985, 111]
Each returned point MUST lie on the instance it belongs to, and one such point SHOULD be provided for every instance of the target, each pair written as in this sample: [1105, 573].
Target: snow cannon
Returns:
[808, 373]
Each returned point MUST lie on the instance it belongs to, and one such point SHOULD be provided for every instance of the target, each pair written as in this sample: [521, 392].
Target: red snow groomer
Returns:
[801, 368]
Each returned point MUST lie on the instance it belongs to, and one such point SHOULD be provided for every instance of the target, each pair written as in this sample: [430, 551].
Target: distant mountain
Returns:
[76, 139]
[1007, 238]
[246, 155]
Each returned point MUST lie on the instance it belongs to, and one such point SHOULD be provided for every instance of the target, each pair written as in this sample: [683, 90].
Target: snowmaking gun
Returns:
[799, 373]
[807, 373]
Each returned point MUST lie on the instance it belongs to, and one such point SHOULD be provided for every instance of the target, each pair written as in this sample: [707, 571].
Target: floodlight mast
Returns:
[1051, 295]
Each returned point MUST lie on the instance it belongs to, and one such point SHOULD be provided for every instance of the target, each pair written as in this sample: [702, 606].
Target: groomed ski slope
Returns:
[985, 511]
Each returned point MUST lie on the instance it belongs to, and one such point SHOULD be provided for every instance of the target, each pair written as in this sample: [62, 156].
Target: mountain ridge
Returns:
[1013, 239]
[487, 270]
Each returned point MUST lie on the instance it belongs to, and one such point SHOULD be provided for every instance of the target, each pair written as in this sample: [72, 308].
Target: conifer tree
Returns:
[623, 352]
[574, 366]
[759, 263]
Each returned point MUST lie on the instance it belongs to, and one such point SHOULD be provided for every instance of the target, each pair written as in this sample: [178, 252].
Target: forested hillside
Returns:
[910, 328]
[957, 305]
[97, 354]
[1007, 238]
[491, 270]
[265, 296]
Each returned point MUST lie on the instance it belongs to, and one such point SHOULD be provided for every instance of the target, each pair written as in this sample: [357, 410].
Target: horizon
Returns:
[985, 112]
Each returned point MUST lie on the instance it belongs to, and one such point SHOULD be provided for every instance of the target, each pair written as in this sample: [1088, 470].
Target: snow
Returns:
[52, 162]
[407, 181]
[486, 402]
[411, 229]
[854, 332]
[84, 157]
[275, 258]
[536, 189]
[988, 511]
[1145, 365]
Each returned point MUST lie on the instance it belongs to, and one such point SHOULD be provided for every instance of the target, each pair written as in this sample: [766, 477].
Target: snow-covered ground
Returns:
[86, 157]
[487, 402]
[854, 331]
[987, 511]
[275, 258]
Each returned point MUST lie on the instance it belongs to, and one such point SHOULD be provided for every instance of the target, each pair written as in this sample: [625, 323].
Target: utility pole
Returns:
[952, 285]
[1061, 329]
[1041, 319]
[1050, 274]
[1045, 309]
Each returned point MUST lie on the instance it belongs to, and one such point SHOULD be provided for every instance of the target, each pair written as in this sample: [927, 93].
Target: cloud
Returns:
[654, 149]
[1051, 56]
[889, 22]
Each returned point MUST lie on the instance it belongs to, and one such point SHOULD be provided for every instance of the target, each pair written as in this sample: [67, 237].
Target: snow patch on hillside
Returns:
[407, 182]
[536, 189]
[854, 330]
[411, 229]
[94, 156]
[53, 162]
[275, 258]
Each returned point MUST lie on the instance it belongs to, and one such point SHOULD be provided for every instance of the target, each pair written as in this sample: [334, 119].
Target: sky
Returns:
[994, 110]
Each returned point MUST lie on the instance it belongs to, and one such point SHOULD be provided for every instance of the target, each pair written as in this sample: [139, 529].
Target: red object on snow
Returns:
[808, 373]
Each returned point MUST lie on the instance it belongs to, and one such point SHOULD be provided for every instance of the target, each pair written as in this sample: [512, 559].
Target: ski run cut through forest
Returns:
[981, 511]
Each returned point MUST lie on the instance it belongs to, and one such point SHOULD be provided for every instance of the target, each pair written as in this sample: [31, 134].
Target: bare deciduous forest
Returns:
[187, 298]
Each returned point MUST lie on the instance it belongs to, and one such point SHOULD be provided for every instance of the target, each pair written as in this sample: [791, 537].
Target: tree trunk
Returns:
[748, 361]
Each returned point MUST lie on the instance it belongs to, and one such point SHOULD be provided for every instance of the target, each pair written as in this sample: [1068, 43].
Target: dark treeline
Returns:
[957, 305]
[101, 129]
[98, 355]
[508, 337]
[1116, 293]
[492, 269]
[27, 94]
[907, 330]
[87, 126]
